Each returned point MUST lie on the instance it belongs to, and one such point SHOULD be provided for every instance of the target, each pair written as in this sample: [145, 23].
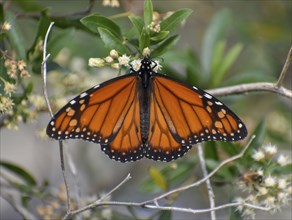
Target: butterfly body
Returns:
[144, 89]
[145, 113]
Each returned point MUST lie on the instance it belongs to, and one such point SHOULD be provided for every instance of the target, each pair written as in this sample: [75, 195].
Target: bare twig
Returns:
[44, 68]
[74, 172]
[128, 177]
[61, 150]
[17, 207]
[208, 183]
[44, 73]
[197, 211]
[285, 69]
[97, 202]
[251, 87]
[171, 208]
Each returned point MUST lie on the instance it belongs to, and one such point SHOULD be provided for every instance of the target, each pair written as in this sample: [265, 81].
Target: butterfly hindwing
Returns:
[162, 144]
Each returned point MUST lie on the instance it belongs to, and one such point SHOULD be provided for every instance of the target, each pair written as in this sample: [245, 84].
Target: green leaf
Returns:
[144, 39]
[111, 41]
[189, 60]
[28, 88]
[174, 20]
[179, 174]
[158, 178]
[257, 142]
[15, 37]
[234, 214]
[174, 176]
[59, 41]
[230, 148]
[210, 150]
[223, 172]
[25, 201]
[92, 22]
[137, 23]
[43, 25]
[248, 76]
[215, 32]
[148, 12]
[29, 6]
[229, 59]
[19, 171]
[165, 46]
[285, 170]
[165, 214]
[218, 54]
[157, 37]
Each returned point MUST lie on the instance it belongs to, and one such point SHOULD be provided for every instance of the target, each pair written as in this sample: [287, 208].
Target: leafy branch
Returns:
[276, 87]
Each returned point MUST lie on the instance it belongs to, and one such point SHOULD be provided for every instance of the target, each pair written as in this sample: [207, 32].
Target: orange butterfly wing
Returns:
[181, 116]
[108, 114]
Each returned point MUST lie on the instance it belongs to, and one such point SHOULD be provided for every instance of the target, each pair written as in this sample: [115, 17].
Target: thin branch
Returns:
[197, 211]
[61, 150]
[44, 68]
[183, 188]
[97, 202]
[18, 208]
[74, 173]
[260, 86]
[171, 208]
[208, 183]
[44, 73]
[285, 69]
[147, 204]
[128, 177]
[251, 87]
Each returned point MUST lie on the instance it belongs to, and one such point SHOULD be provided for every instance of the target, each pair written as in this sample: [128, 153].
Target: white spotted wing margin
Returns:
[107, 114]
[191, 115]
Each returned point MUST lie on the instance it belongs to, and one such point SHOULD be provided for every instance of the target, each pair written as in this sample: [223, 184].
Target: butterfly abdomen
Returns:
[144, 113]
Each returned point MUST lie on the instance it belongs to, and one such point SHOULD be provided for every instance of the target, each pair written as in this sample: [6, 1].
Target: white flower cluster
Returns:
[267, 153]
[113, 59]
[111, 3]
[116, 61]
[275, 190]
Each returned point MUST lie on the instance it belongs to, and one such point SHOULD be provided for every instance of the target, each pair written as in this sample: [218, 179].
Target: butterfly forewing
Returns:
[193, 115]
[107, 114]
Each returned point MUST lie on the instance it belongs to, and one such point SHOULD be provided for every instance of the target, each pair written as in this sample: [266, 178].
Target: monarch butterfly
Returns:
[145, 113]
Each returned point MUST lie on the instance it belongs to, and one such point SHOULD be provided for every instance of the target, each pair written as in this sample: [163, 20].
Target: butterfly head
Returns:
[146, 64]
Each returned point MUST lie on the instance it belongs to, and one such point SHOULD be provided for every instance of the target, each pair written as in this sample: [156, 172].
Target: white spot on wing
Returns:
[72, 102]
[218, 103]
[207, 96]
[83, 95]
[195, 88]
[96, 86]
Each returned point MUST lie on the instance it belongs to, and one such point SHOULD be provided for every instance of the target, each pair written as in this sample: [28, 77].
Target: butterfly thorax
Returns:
[145, 73]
